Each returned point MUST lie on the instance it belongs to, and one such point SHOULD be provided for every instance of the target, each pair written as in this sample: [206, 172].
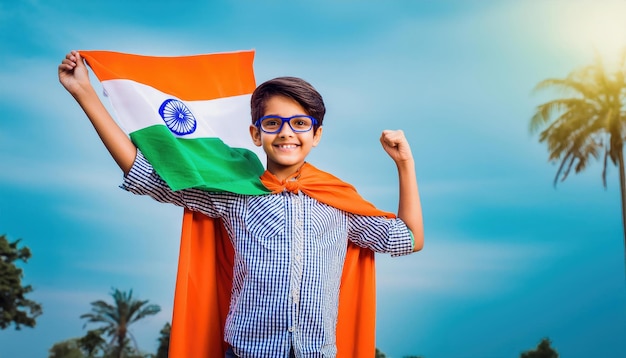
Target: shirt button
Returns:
[291, 329]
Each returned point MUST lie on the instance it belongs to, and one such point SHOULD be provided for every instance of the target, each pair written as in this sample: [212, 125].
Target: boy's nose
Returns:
[285, 131]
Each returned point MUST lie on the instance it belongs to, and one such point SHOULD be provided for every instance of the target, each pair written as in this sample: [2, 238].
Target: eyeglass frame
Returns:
[286, 120]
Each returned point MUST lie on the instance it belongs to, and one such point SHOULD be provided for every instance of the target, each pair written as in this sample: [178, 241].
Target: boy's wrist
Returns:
[82, 90]
[405, 164]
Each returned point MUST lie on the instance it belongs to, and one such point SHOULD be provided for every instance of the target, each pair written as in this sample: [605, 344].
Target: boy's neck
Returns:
[282, 173]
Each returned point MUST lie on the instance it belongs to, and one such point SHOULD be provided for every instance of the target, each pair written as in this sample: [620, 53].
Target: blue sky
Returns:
[508, 258]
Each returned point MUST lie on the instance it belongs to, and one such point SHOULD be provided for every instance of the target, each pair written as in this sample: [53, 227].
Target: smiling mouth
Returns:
[286, 146]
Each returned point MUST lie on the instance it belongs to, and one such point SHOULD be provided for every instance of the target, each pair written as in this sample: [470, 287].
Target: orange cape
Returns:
[205, 268]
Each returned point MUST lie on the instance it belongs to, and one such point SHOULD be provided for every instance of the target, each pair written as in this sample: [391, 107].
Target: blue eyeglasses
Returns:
[274, 124]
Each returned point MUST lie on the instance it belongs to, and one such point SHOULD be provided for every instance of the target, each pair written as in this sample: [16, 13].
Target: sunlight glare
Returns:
[599, 26]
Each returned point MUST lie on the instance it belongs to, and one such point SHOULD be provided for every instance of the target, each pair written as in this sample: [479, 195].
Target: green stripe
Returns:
[205, 163]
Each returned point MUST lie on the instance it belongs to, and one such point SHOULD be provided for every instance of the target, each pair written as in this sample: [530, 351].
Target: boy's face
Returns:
[286, 151]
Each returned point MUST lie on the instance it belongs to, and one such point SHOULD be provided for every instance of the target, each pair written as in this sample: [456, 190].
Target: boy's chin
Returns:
[285, 164]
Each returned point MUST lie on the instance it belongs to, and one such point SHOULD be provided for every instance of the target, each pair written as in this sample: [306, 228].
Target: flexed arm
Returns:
[74, 76]
[409, 207]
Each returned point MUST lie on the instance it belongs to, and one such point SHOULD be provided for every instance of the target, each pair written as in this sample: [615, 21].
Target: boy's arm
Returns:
[409, 207]
[74, 76]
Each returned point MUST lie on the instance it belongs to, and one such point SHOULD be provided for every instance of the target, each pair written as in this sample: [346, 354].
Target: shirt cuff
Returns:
[141, 169]
[403, 240]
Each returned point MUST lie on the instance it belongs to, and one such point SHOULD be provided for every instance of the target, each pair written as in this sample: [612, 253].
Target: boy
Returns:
[290, 245]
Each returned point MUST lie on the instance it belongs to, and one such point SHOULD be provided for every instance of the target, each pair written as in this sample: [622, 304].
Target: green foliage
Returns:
[15, 308]
[92, 343]
[126, 351]
[380, 354]
[66, 349]
[75, 348]
[117, 317]
[164, 341]
[543, 350]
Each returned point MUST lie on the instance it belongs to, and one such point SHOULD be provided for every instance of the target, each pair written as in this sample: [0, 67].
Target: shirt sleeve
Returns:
[142, 179]
[380, 234]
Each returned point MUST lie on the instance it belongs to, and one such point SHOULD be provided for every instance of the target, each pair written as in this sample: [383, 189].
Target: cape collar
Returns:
[292, 183]
[325, 188]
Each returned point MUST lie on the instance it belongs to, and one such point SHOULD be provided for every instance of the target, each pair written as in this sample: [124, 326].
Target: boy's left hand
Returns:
[395, 144]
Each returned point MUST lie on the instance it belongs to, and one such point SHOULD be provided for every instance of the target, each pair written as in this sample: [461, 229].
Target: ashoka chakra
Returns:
[178, 118]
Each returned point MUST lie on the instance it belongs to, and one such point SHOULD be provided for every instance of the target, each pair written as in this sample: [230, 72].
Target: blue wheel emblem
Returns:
[178, 118]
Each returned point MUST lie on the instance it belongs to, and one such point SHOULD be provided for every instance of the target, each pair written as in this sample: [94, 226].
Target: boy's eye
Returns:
[301, 122]
[271, 123]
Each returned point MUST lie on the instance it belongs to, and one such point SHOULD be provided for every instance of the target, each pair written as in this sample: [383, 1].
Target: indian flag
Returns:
[188, 115]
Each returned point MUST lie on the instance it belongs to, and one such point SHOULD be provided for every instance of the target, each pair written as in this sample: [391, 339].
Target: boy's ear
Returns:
[317, 136]
[255, 133]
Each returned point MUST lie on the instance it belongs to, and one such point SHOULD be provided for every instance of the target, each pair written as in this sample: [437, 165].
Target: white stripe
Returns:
[137, 106]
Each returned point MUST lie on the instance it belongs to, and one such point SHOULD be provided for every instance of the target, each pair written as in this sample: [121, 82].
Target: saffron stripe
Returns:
[190, 78]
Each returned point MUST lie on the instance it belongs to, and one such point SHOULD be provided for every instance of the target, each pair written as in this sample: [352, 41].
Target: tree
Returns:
[66, 349]
[543, 350]
[164, 341]
[15, 308]
[380, 354]
[117, 317]
[588, 122]
[92, 342]
[75, 348]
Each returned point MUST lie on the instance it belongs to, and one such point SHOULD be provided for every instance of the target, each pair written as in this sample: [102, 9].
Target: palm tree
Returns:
[118, 316]
[589, 121]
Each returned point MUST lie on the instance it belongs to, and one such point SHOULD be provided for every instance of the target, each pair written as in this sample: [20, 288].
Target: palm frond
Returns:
[546, 111]
[568, 85]
[606, 156]
[564, 168]
[149, 310]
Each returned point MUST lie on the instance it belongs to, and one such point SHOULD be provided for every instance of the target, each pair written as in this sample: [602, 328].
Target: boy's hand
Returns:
[396, 145]
[73, 73]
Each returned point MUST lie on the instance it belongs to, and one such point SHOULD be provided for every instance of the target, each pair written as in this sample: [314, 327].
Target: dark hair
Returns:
[292, 87]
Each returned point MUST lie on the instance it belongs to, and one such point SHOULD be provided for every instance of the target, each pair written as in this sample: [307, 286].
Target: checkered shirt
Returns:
[289, 255]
